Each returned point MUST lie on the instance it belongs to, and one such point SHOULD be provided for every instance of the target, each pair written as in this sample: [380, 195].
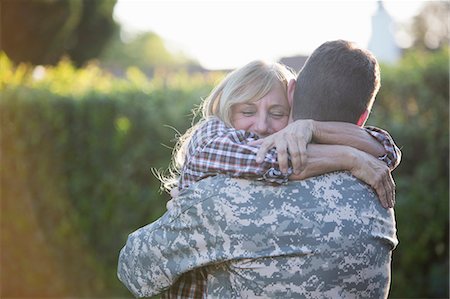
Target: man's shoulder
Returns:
[334, 180]
[329, 187]
[330, 184]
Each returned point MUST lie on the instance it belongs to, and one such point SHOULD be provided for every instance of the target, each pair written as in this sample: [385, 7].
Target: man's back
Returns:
[333, 238]
[327, 235]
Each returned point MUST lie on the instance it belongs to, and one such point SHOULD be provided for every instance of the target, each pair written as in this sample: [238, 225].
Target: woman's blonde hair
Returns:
[246, 84]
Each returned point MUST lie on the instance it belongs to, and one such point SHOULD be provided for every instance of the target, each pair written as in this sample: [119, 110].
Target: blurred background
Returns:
[94, 93]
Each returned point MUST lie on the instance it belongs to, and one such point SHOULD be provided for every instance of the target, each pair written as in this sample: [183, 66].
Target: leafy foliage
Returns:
[41, 32]
[77, 146]
[413, 105]
[77, 151]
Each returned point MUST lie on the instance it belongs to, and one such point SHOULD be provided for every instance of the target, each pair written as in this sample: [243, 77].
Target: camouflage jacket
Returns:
[325, 237]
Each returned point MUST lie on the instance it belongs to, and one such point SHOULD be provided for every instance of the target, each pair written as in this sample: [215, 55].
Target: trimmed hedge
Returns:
[78, 145]
[414, 105]
[77, 151]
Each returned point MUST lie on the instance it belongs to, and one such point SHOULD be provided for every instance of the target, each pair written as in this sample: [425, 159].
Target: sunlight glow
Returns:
[226, 34]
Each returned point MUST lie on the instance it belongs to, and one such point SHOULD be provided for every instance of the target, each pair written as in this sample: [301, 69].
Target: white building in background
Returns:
[382, 41]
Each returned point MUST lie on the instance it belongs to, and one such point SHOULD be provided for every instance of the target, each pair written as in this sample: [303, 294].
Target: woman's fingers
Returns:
[286, 146]
[282, 153]
[375, 173]
[256, 142]
[289, 142]
[382, 194]
[302, 144]
[266, 145]
[295, 153]
[385, 187]
[390, 189]
[386, 196]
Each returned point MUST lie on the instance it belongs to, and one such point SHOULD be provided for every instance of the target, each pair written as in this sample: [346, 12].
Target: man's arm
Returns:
[155, 255]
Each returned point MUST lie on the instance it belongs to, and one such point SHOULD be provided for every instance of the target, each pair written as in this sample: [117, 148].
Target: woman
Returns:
[252, 103]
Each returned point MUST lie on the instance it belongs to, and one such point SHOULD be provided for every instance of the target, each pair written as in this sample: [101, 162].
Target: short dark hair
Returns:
[338, 82]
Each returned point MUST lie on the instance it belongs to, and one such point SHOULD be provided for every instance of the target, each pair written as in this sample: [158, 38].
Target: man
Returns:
[324, 237]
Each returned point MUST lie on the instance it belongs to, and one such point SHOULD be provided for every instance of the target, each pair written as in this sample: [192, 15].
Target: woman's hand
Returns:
[291, 140]
[375, 173]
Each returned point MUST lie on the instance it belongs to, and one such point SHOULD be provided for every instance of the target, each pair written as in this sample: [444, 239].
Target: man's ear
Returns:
[291, 91]
[363, 118]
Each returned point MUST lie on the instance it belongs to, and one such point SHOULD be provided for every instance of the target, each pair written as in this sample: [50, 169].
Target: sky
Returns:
[228, 34]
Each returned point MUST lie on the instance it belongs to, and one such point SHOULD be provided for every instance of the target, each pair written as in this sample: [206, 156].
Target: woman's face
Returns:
[265, 116]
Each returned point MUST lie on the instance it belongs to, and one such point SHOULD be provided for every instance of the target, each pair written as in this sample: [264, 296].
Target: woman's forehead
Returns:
[265, 102]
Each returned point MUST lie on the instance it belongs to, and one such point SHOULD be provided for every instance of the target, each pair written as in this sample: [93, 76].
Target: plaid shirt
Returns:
[191, 285]
[216, 148]
[393, 155]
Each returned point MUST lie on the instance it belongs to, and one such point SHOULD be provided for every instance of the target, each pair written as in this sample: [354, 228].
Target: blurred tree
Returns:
[94, 31]
[41, 32]
[146, 51]
[430, 27]
[413, 105]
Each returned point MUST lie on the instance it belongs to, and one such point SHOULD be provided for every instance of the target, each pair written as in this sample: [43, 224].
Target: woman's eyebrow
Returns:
[278, 106]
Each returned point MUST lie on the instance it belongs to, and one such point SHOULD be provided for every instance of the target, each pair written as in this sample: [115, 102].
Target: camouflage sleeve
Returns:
[155, 255]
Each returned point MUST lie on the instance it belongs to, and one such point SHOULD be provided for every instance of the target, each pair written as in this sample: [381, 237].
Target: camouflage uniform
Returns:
[325, 237]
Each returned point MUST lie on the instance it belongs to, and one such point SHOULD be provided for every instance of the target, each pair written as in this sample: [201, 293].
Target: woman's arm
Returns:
[294, 139]
[327, 158]
[341, 133]
[371, 140]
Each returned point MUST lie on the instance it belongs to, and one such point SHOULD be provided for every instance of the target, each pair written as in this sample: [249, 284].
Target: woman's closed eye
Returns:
[278, 114]
[248, 112]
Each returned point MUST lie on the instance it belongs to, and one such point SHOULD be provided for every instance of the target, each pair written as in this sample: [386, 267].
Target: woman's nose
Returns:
[261, 126]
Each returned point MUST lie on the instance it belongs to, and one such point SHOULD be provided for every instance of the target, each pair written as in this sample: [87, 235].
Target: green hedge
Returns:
[413, 104]
[78, 145]
[77, 151]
